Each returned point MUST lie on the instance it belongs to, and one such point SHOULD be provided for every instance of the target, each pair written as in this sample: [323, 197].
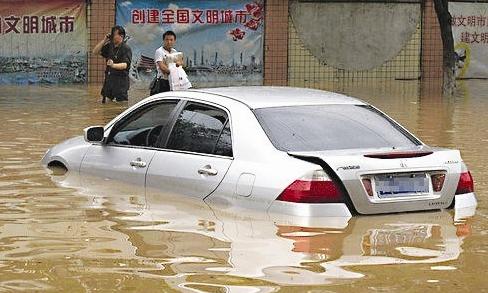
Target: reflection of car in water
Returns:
[294, 151]
[386, 241]
[196, 238]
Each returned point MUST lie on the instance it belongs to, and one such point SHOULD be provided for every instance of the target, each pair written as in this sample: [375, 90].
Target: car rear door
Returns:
[196, 153]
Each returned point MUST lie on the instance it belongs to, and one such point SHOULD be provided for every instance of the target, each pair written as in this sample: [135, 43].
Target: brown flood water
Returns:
[58, 235]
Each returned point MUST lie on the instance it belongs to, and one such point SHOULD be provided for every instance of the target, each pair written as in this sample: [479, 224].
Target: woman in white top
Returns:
[161, 60]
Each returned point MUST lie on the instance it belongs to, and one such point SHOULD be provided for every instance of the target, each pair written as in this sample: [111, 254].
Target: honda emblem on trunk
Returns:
[403, 164]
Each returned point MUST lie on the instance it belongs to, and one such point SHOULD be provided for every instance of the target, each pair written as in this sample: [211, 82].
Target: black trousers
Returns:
[159, 85]
[163, 85]
[116, 86]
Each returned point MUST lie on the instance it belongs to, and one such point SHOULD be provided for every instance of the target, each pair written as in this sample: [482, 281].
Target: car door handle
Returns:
[207, 170]
[138, 163]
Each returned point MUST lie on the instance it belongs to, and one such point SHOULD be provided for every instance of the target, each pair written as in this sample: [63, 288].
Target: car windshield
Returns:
[331, 127]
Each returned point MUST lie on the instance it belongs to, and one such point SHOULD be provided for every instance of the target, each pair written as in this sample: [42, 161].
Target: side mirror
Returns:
[94, 134]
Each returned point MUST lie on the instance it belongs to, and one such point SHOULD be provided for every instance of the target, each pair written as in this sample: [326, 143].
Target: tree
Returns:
[448, 56]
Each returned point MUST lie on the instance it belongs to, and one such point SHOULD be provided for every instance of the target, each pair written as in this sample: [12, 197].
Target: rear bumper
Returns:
[464, 205]
[310, 210]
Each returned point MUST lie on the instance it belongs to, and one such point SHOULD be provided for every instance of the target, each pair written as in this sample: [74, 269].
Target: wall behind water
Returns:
[101, 18]
[288, 60]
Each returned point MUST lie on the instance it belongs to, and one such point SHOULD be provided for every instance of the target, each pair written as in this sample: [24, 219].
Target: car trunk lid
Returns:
[399, 180]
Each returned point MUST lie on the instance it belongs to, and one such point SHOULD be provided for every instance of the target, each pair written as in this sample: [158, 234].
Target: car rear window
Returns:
[331, 127]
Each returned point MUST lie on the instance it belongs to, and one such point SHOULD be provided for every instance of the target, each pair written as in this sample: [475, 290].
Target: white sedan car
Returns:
[295, 151]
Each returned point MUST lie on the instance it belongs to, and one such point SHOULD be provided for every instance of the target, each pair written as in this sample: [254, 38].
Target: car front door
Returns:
[197, 153]
[128, 149]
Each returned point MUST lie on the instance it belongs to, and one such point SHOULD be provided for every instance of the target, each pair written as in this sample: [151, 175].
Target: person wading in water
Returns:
[118, 56]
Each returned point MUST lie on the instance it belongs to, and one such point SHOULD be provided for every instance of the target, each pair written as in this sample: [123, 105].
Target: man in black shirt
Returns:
[119, 57]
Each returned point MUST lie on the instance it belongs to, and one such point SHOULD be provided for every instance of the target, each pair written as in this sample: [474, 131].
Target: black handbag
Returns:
[154, 86]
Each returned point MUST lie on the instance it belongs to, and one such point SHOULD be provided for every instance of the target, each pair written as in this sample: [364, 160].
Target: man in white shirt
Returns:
[169, 39]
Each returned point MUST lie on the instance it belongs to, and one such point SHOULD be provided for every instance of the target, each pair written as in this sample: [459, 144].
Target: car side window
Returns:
[199, 129]
[224, 144]
[144, 127]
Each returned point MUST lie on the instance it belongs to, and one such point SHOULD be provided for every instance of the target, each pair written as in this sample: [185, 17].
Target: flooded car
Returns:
[300, 152]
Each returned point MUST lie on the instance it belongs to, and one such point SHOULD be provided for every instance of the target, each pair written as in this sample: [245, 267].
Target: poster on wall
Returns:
[43, 41]
[221, 41]
[470, 32]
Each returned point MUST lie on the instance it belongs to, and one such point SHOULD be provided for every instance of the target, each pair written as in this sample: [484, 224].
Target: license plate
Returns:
[403, 185]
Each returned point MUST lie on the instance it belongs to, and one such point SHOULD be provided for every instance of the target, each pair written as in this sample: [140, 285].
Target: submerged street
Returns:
[59, 234]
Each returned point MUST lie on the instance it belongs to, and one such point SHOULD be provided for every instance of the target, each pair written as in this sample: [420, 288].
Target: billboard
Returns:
[43, 41]
[222, 41]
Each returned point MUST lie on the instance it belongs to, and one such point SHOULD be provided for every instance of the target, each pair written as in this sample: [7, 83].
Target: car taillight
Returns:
[315, 187]
[367, 186]
[437, 181]
[465, 184]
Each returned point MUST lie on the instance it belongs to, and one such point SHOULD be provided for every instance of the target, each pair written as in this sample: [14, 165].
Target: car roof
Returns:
[271, 96]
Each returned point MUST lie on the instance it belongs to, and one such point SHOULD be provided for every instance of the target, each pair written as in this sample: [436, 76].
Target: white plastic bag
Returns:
[178, 80]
